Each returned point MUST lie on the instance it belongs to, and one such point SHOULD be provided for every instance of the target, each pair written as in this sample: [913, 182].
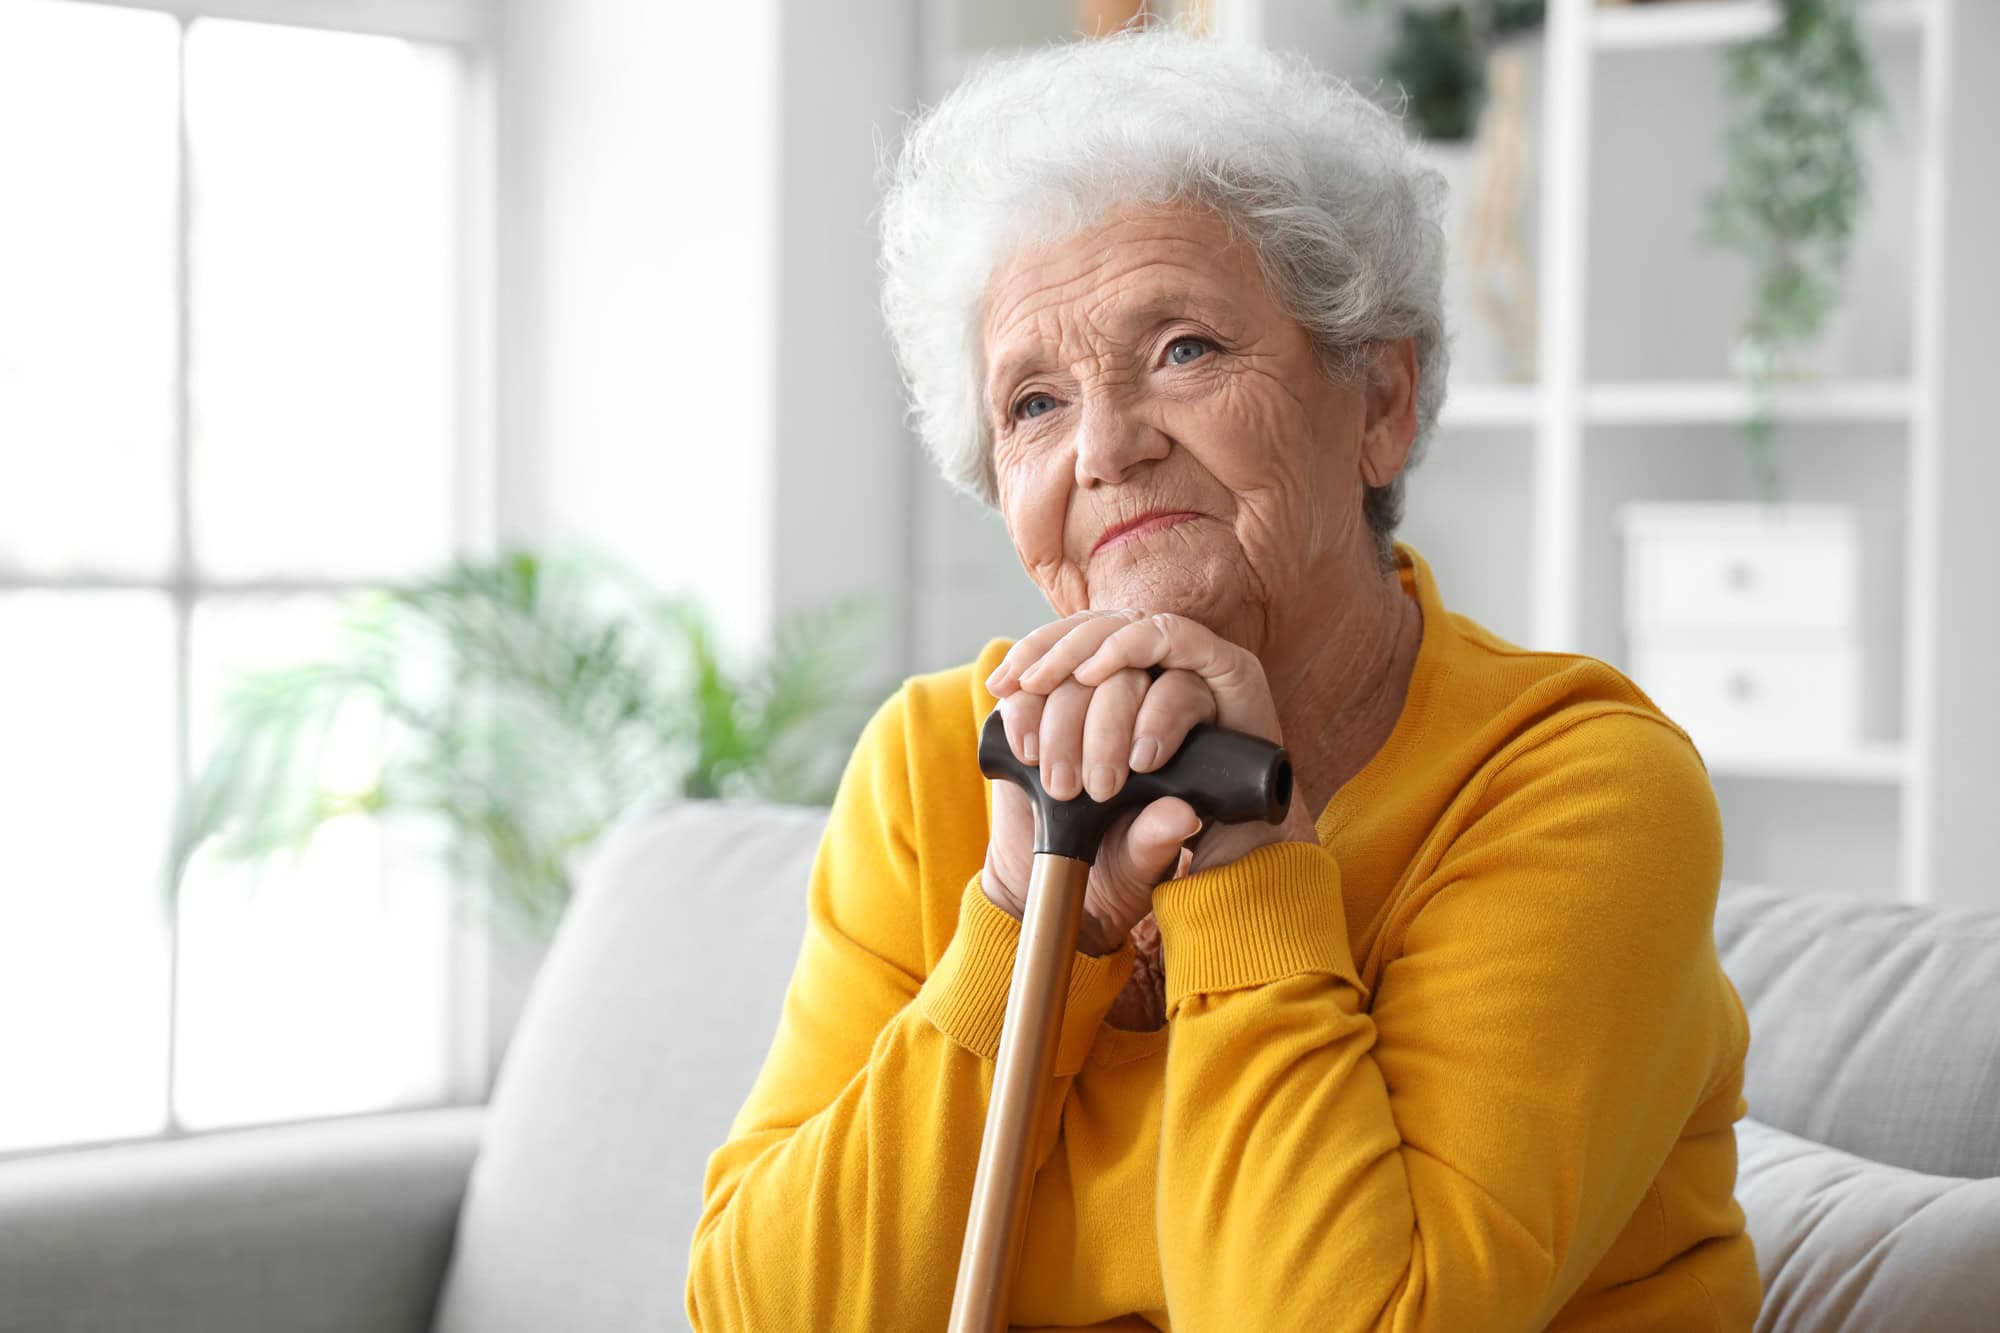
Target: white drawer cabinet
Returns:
[1711, 568]
[1756, 699]
[1743, 626]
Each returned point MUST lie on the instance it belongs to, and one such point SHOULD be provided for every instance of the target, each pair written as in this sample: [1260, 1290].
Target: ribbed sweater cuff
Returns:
[1274, 913]
[965, 996]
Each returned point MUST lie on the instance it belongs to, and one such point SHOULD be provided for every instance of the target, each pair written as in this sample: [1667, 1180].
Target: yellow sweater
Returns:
[1471, 1064]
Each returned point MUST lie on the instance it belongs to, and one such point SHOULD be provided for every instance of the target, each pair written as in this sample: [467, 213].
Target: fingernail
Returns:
[1061, 778]
[1144, 751]
[997, 679]
[1103, 782]
[1031, 749]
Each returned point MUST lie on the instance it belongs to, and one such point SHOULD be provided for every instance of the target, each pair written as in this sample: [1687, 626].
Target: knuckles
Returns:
[1173, 691]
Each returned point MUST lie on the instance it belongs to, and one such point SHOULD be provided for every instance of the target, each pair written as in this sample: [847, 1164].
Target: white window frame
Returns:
[469, 29]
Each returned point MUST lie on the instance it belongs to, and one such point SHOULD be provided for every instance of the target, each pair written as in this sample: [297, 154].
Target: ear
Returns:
[1392, 412]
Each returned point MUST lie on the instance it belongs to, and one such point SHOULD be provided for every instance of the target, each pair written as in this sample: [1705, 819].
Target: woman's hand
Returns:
[1078, 702]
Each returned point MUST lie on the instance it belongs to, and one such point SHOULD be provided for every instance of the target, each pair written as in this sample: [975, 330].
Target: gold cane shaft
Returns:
[1022, 1070]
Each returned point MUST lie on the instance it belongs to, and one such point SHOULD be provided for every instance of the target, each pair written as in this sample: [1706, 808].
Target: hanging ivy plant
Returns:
[1794, 184]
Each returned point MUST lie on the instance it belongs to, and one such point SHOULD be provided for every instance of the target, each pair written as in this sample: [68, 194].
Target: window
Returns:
[232, 354]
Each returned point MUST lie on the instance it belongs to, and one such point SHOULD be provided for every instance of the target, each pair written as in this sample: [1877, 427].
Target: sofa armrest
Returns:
[335, 1226]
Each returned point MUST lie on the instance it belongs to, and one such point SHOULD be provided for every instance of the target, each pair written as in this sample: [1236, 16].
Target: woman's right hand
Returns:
[1140, 851]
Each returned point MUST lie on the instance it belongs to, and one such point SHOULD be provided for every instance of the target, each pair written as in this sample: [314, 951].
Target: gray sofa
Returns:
[1871, 1172]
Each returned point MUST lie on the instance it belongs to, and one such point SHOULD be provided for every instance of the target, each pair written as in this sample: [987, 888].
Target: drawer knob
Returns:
[1742, 686]
[1739, 574]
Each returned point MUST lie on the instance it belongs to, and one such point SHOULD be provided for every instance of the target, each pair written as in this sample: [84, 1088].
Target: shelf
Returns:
[1879, 762]
[1719, 22]
[1681, 403]
[1727, 402]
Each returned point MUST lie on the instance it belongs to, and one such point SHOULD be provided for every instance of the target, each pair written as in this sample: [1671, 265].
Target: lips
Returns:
[1156, 520]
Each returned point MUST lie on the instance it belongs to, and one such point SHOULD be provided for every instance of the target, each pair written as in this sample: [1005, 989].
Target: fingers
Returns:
[1107, 732]
[1061, 657]
[1025, 650]
[1062, 740]
[1021, 716]
[1150, 851]
[1088, 744]
[1092, 739]
[1232, 674]
[1021, 709]
[1177, 701]
[1010, 848]
[1130, 723]
[1030, 647]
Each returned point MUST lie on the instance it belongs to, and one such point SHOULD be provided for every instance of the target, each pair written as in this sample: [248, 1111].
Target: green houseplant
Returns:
[1795, 181]
[525, 702]
[1439, 54]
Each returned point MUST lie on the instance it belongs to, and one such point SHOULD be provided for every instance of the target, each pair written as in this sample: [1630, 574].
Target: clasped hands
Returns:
[1079, 701]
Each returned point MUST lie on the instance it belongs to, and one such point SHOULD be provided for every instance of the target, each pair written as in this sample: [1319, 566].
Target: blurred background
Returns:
[431, 428]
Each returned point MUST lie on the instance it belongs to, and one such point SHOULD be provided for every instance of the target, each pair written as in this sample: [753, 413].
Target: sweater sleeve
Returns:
[840, 1197]
[1462, 1152]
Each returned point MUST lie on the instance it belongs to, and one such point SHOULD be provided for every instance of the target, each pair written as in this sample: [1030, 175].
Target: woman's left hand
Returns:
[1204, 678]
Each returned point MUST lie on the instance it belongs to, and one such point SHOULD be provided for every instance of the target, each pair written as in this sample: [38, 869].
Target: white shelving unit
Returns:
[1515, 504]
[1575, 416]
[1713, 22]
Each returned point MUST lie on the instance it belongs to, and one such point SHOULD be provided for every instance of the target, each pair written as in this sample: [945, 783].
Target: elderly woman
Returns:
[1450, 1048]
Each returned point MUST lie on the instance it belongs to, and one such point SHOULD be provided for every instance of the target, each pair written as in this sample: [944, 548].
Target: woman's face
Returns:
[1140, 367]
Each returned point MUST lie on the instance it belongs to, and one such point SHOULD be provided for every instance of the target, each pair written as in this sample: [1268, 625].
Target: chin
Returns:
[1201, 591]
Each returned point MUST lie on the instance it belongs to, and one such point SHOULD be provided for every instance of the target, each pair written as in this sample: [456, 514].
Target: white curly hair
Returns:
[1322, 182]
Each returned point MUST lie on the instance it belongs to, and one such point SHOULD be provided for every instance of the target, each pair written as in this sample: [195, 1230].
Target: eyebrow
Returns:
[1176, 304]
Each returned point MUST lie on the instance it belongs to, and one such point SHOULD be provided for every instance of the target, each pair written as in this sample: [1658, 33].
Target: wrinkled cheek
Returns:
[1280, 476]
[1036, 508]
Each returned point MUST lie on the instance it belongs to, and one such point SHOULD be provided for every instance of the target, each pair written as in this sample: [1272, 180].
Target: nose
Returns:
[1112, 439]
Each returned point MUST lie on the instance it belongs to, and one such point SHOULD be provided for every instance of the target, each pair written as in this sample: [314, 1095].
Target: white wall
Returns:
[691, 374]
[846, 463]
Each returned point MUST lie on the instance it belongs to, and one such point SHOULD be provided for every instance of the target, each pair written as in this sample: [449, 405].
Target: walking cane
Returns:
[1229, 778]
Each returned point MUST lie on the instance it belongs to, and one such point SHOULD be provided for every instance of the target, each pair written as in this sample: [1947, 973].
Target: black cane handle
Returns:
[1229, 777]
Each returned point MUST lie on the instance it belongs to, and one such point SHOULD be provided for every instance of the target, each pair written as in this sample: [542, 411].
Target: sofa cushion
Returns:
[1873, 1025]
[1845, 1243]
[632, 1056]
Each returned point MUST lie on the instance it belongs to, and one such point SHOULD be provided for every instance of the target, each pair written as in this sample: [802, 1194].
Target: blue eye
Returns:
[1202, 344]
[1025, 408]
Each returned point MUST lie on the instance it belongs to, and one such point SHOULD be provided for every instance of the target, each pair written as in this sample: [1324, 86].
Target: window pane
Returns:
[322, 213]
[87, 151]
[87, 708]
[319, 987]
